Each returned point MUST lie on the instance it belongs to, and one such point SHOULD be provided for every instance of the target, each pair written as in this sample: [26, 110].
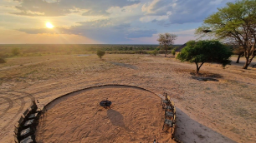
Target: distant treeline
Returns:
[60, 49]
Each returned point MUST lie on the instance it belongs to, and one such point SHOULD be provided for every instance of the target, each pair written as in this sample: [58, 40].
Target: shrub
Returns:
[15, 52]
[173, 52]
[2, 60]
[140, 52]
[155, 52]
[100, 53]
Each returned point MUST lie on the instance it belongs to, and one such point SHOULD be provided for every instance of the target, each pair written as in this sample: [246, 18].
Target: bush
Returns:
[2, 60]
[155, 52]
[140, 52]
[174, 51]
[163, 52]
[15, 52]
[100, 53]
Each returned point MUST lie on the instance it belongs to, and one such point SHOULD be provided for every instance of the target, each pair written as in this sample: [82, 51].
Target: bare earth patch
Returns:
[135, 116]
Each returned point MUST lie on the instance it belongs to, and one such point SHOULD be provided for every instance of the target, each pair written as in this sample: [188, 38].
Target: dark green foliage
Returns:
[174, 51]
[100, 53]
[236, 24]
[200, 52]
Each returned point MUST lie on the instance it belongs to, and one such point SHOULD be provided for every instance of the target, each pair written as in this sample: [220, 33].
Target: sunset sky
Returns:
[101, 21]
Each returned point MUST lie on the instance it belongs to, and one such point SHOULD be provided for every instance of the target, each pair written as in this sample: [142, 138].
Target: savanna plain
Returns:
[207, 111]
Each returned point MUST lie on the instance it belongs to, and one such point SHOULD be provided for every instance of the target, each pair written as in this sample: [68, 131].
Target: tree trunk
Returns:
[198, 67]
[247, 63]
[249, 54]
[165, 53]
[238, 58]
[197, 70]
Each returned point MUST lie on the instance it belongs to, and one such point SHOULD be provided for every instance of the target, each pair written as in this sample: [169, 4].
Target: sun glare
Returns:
[49, 25]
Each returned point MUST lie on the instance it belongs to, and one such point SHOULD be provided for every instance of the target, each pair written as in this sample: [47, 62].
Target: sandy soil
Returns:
[135, 116]
[222, 111]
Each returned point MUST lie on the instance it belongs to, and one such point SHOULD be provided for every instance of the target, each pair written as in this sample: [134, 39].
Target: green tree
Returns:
[100, 53]
[200, 52]
[166, 41]
[235, 23]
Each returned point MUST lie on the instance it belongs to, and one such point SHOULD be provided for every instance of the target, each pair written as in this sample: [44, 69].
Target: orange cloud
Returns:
[17, 37]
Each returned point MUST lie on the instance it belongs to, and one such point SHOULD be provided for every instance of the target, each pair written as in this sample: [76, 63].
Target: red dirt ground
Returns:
[135, 116]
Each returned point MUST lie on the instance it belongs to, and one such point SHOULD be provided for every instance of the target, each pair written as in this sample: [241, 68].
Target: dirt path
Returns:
[14, 110]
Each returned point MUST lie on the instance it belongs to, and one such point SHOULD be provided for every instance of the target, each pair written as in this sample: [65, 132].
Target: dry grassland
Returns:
[208, 111]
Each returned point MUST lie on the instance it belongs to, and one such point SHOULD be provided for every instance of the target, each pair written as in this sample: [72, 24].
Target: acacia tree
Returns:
[166, 40]
[200, 52]
[100, 53]
[236, 22]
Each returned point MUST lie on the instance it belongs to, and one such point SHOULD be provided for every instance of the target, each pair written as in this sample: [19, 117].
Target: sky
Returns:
[102, 21]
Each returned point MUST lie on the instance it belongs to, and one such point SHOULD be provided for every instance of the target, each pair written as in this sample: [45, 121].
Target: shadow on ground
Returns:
[241, 64]
[190, 131]
[206, 74]
[116, 118]
[124, 65]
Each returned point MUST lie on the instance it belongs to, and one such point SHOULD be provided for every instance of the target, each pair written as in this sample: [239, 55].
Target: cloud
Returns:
[108, 21]
[140, 33]
[24, 38]
[183, 37]
[181, 11]
[158, 7]
[104, 31]
[154, 18]
[64, 7]
[189, 32]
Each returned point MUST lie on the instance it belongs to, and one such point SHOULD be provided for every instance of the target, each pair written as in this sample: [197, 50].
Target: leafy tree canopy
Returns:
[100, 53]
[200, 52]
[235, 23]
[166, 40]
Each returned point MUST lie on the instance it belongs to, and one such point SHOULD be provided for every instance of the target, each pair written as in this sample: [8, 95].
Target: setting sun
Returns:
[49, 25]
